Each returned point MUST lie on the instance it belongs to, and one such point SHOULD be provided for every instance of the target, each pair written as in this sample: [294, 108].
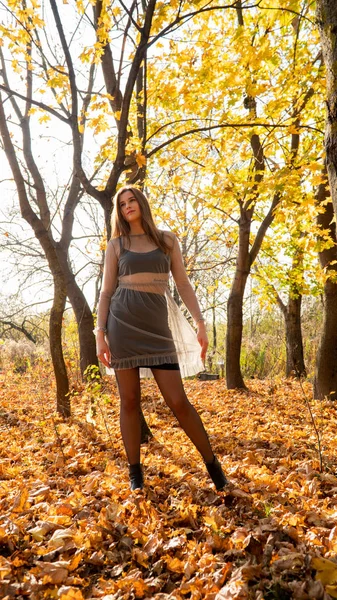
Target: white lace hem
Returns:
[188, 365]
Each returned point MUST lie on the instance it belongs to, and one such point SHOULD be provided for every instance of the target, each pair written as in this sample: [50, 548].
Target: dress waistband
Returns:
[155, 283]
[150, 288]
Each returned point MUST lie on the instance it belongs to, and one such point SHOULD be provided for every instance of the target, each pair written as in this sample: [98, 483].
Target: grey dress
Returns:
[145, 327]
[137, 329]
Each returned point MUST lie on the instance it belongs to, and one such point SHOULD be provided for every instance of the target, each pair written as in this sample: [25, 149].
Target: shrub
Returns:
[20, 355]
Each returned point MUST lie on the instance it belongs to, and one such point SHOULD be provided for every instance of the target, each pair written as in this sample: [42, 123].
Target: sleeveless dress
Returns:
[145, 327]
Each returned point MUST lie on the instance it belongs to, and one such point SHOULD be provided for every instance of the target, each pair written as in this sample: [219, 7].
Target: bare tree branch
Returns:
[267, 221]
[20, 328]
[41, 105]
[223, 126]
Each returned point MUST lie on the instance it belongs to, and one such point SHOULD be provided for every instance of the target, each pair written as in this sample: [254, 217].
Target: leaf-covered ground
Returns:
[71, 529]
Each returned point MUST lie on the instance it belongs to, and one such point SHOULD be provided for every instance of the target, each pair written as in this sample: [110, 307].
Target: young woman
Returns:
[139, 326]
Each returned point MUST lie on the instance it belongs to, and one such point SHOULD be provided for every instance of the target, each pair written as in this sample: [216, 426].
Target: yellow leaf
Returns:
[18, 562]
[44, 118]
[39, 532]
[174, 564]
[71, 594]
[20, 501]
[140, 160]
[140, 588]
[75, 562]
[326, 571]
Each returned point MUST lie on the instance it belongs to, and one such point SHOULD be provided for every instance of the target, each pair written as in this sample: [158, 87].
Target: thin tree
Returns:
[325, 383]
[248, 251]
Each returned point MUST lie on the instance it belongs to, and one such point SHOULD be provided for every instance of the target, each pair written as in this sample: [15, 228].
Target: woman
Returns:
[139, 326]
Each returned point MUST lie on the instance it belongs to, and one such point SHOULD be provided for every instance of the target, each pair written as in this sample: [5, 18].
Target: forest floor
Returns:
[71, 529]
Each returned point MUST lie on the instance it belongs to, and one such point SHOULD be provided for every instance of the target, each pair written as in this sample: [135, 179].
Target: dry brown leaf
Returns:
[233, 590]
[54, 573]
[153, 543]
[292, 561]
[141, 557]
[41, 530]
[60, 538]
[69, 593]
[5, 567]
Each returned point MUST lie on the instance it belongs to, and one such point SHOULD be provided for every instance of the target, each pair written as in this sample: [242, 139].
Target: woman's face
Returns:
[129, 207]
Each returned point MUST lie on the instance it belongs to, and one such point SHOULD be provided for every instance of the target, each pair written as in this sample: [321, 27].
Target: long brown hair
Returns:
[120, 227]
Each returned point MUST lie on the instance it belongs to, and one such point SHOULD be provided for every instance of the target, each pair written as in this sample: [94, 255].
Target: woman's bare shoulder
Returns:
[114, 243]
[168, 233]
[169, 236]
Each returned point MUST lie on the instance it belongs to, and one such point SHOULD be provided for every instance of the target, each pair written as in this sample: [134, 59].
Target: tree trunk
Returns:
[55, 340]
[215, 341]
[85, 324]
[326, 365]
[84, 320]
[295, 366]
[234, 377]
[43, 235]
[327, 24]
[325, 384]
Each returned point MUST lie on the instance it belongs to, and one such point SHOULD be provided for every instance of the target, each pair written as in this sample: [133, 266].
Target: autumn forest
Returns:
[225, 115]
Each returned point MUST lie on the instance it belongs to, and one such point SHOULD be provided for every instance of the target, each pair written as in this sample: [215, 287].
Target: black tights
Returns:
[172, 390]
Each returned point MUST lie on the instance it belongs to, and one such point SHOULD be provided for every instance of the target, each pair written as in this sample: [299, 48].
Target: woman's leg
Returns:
[172, 390]
[129, 391]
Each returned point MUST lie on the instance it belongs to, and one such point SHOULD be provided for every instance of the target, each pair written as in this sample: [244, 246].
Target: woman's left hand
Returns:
[202, 339]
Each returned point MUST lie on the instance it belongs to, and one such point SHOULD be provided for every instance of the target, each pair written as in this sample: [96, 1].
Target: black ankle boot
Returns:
[136, 477]
[216, 473]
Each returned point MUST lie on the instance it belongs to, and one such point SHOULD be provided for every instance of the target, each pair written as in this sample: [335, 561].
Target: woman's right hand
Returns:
[102, 350]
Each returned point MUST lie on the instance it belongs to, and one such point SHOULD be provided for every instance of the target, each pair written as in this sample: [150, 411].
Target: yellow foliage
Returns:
[140, 160]
[44, 118]
[326, 572]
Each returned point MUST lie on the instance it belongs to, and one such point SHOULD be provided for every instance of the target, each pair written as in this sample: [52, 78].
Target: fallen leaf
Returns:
[69, 593]
[326, 570]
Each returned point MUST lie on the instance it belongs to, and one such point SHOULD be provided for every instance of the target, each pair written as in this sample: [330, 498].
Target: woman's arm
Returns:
[109, 283]
[185, 289]
[187, 294]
